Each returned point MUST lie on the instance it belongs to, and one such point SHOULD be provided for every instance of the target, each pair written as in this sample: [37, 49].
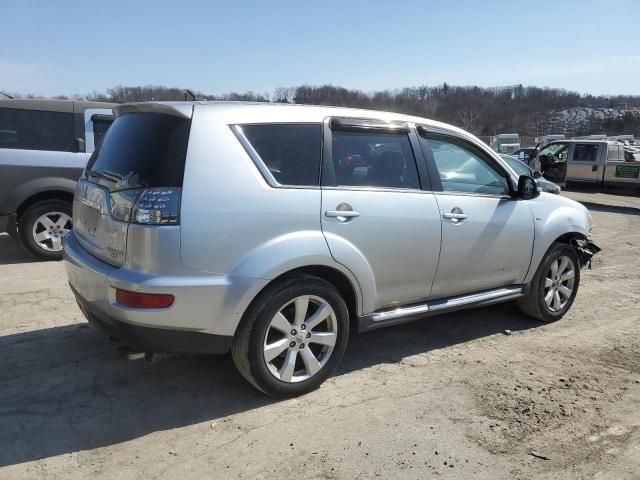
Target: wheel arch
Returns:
[346, 286]
[64, 195]
[540, 253]
[37, 189]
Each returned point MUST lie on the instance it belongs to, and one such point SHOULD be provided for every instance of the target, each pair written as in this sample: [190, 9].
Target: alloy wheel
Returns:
[300, 338]
[559, 283]
[49, 229]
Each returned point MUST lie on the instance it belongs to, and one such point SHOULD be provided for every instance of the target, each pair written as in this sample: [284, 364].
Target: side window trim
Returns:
[367, 125]
[435, 133]
[328, 178]
[422, 162]
[261, 165]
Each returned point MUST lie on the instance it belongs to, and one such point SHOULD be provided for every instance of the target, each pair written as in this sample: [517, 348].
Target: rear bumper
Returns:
[156, 340]
[203, 318]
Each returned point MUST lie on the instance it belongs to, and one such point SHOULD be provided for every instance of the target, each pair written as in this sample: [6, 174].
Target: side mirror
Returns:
[527, 188]
[80, 145]
[537, 174]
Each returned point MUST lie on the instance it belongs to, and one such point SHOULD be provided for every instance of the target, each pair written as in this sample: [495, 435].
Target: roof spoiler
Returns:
[178, 110]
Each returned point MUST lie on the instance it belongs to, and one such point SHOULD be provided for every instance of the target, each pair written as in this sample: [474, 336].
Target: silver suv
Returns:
[275, 230]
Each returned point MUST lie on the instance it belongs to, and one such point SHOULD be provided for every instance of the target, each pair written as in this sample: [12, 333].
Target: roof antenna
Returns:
[191, 94]
[8, 96]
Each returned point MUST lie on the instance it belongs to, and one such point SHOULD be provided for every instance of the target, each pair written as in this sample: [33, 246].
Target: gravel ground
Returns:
[454, 396]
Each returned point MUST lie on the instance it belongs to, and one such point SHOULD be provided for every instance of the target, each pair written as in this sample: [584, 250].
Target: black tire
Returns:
[248, 343]
[30, 217]
[533, 303]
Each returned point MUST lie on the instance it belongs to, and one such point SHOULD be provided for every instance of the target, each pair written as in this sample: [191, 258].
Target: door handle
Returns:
[455, 216]
[594, 168]
[341, 213]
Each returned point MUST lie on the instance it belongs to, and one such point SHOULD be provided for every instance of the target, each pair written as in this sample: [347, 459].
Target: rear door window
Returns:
[291, 152]
[37, 130]
[367, 159]
[142, 150]
[101, 124]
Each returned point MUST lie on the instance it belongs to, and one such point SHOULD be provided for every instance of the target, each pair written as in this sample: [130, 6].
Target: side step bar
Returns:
[398, 315]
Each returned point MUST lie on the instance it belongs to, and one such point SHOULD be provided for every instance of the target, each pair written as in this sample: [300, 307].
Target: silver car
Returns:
[274, 231]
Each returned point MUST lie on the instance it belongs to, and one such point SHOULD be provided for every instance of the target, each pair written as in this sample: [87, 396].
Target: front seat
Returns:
[388, 170]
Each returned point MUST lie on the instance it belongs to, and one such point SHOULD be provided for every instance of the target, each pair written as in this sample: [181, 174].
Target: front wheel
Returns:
[292, 336]
[554, 286]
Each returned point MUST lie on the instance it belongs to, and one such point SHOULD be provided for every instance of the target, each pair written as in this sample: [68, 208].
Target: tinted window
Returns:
[291, 152]
[37, 130]
[100, 127]
[374, 160]
[463, 169]
[585, 152]
[148, 149]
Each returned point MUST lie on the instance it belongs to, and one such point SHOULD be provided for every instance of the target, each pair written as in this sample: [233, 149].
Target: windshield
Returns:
[558, 150]
[519, 167]
[141, 150]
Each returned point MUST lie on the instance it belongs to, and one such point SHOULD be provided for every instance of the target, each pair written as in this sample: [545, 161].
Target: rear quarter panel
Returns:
[232, 222]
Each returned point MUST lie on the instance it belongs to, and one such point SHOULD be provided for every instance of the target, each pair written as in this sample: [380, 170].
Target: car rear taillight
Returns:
[151, 206]
[158, 206]
[143, 300]
[122, 203]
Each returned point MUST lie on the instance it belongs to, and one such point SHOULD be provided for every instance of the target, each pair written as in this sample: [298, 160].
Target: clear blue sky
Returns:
[67, 47]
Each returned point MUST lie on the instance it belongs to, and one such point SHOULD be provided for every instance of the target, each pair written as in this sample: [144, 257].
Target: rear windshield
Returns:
[141, 150]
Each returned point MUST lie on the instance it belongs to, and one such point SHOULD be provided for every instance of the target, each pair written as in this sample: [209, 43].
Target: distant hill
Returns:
[530, 111]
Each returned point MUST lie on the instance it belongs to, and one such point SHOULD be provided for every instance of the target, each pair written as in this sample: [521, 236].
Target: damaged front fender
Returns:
[585, 249]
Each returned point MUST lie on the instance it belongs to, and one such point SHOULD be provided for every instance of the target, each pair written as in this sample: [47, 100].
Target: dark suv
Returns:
[44, 146]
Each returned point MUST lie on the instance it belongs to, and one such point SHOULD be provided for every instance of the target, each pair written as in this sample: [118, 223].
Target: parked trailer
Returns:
[600, 163]
[505, 142]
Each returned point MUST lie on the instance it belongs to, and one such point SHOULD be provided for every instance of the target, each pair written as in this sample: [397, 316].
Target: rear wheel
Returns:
[292, 336]
[42, 227]
[554, 286]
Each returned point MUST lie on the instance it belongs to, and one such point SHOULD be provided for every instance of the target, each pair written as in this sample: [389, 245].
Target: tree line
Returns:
[483, 111]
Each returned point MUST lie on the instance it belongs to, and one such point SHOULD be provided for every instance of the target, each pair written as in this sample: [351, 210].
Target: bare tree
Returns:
[284, 95]
[468, 118]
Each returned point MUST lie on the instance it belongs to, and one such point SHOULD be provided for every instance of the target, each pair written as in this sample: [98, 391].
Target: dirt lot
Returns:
[450, 397]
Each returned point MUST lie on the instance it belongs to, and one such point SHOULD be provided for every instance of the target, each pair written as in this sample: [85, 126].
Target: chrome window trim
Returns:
[368, 188]
[474, 194]
[349, 124]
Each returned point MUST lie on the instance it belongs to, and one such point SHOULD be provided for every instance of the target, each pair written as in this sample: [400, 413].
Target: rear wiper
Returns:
[93, 174]
[123, 182]
[113, 176]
